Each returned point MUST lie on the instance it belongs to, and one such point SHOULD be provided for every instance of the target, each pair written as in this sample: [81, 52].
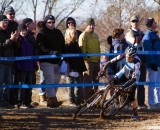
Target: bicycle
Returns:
[115, 103]
[102, 97]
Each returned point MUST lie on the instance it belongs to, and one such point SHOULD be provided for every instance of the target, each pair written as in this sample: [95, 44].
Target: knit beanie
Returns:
[9, 9]
[22, 27]
[49, 17]
[70, 19]
[149, 22]
[27, 21]
[90, 21]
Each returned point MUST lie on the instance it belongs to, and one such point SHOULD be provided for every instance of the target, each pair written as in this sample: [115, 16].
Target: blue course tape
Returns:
[71, 55]
[70, 85]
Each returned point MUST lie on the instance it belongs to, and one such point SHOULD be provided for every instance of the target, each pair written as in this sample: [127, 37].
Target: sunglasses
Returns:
[50, 22]
[70, 23]
[11, 13]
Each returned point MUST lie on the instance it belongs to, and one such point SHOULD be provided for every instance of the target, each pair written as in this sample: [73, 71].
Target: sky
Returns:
[86, 10]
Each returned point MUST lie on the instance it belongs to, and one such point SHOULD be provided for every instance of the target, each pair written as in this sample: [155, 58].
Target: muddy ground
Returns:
[61, 118]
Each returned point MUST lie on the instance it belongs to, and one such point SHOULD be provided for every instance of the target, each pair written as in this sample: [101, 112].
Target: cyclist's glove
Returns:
[102, 73]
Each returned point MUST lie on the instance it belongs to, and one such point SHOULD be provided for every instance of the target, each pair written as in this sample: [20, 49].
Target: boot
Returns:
[52, 102]
[43, 100]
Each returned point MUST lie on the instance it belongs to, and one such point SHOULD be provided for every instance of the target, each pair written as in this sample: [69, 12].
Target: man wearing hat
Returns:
[134, 36]
[6, 50]
[89, 43]
[51, 42]
[151, 42]
[10, 14]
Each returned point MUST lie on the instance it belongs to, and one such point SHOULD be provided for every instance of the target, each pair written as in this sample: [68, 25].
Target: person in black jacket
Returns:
[7, 43]
[76, 66]
[12, 27]
[51, 42]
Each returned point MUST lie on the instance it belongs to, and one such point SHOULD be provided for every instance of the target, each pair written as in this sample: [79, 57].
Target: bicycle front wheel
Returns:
[91, 103]
[114, 105]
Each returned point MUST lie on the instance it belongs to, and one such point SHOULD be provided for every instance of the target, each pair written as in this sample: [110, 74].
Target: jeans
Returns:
[5, 78]
[76, 93]
[51, 76]
[153, 91]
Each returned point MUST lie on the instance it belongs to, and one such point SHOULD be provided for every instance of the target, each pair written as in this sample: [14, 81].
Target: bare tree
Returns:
[34, 4]
[49, 4]
[68, 8]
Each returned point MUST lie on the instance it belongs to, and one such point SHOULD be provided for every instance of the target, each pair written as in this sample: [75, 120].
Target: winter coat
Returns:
[6, 46]
[50, 40]
[151, 42]
[25, 48]
[75, 63]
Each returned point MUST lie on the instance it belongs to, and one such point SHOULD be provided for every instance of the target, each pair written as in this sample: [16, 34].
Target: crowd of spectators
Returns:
[20, 39]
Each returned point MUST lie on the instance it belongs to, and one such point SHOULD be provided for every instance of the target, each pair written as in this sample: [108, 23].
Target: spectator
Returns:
[118, 41]
[89, 43]
[151, 42]
[76, 65]
[6, 50]
[51, 42]
[31, 31]
[134, 36]
[72, 23]
[12, 27]
[10, 14]
[119, 45]
[25, 68]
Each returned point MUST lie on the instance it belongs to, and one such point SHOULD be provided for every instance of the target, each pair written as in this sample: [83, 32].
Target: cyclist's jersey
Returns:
[131, 70]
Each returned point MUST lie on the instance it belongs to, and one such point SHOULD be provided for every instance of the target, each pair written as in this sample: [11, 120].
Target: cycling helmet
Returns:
[131, 51]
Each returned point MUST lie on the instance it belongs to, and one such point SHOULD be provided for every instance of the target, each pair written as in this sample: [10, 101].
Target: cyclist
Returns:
[129, 74]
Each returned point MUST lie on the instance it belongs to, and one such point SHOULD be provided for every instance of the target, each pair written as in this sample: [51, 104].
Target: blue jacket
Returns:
[151, 42]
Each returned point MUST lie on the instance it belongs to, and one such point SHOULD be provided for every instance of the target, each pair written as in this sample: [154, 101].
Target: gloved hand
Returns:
[154, 67]
[102, 73]
[54, 53]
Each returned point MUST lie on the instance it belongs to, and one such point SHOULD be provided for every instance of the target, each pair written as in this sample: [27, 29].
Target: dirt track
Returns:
[61, 118]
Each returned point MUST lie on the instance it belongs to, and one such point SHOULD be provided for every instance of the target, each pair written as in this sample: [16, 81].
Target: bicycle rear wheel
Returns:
[114, 105]
[91, 103]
